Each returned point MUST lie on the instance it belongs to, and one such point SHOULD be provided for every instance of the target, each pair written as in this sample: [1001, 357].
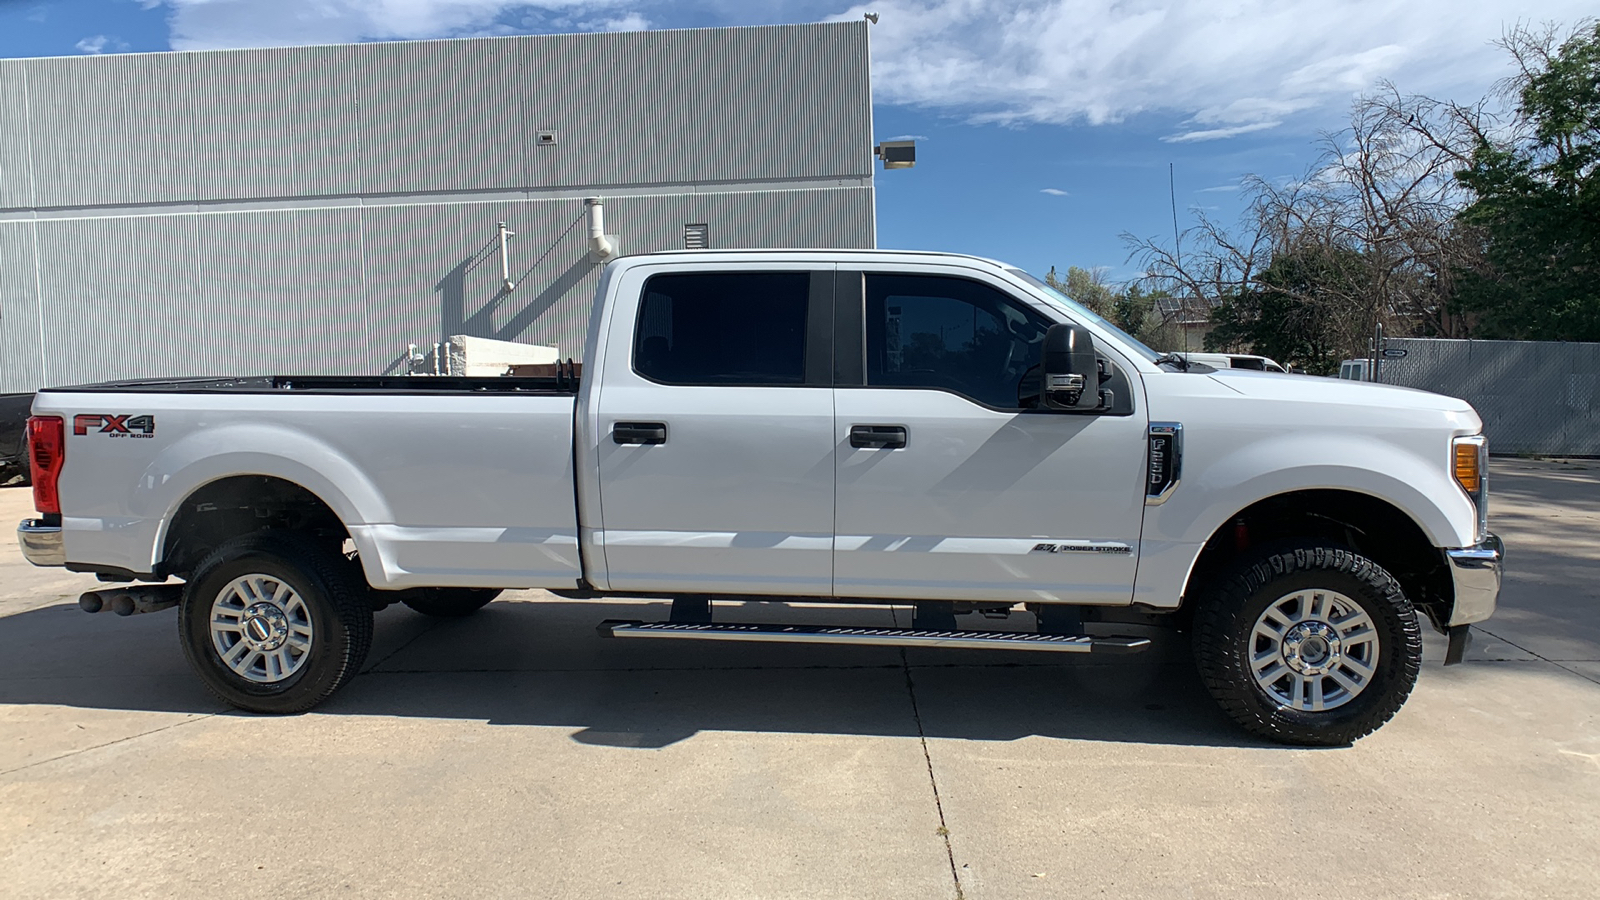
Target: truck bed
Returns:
[441, 481]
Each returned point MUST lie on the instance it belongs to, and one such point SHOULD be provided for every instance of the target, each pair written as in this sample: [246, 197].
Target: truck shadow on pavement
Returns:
[540, 663]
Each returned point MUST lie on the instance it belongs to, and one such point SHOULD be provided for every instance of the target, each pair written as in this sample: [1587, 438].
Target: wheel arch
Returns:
[231, 506]
[206, 457]
[1369, 525]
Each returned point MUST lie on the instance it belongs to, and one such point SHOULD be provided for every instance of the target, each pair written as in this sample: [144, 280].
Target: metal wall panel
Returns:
[699, 106]
[16, 177]
[21, 354]
[316, 209]
[682, 107]
[427, 291]
[343, 290]
[276, 123]
[439, 115]
[120, 297]
[281, 292]
[1537, 397]
[112, 131]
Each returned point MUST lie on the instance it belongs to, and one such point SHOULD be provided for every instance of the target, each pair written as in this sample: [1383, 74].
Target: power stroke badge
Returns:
[1081, 547]
[111, 425]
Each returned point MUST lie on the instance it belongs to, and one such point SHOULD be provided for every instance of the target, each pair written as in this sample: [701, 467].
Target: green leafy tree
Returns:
[1129, 307]
[1284, 315]
[1537, 197]
[1086, 286]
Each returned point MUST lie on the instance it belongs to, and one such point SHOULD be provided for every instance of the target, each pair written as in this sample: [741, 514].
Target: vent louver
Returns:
[696, 237]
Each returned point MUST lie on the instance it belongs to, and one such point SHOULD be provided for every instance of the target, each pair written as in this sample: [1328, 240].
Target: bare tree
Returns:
[1369, 235]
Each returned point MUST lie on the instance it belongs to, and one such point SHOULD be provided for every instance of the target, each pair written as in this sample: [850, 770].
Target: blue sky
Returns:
[1045, 127]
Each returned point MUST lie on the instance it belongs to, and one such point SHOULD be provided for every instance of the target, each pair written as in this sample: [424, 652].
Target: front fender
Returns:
[1218, 482]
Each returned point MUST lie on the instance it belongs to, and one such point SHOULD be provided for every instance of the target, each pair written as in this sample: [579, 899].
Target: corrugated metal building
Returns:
[313, 209]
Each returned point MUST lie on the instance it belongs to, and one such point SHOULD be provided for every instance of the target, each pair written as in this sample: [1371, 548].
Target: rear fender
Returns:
[210, 454]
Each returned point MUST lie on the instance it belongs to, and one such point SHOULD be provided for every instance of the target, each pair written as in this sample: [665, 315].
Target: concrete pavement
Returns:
[516, 754]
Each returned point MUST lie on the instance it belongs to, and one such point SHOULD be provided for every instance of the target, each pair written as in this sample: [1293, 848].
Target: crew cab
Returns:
[878, 427]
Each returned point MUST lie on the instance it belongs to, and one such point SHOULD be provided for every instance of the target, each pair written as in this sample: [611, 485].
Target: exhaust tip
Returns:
[90, 602]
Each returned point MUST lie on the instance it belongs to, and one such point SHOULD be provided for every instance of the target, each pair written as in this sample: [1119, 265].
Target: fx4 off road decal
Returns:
[128, 426]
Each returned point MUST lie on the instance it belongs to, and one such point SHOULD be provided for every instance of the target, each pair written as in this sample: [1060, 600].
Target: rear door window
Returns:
[726, 328]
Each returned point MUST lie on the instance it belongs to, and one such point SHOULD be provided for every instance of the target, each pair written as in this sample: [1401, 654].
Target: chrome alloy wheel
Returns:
[261, 628]
[1313, 650]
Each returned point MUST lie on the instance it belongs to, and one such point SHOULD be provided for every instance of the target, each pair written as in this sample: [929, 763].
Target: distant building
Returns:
[1187, 320]
[313, 209]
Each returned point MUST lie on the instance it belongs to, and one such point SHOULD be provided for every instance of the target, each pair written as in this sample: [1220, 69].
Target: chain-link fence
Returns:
[1538, 397]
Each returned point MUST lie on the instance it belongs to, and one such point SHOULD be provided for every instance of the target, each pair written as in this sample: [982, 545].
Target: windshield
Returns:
[1078, 310]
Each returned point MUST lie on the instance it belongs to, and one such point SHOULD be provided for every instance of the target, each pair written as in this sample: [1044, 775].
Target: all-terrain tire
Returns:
[1226, 641]
[332, 605]
[449, 603]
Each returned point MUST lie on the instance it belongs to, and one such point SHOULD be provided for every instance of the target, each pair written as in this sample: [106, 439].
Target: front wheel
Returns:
[1308, 644]
[274, 622]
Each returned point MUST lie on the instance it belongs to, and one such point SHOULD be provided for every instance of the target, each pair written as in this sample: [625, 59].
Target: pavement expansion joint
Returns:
[121, 740]
[1540, 657]
[933, 782]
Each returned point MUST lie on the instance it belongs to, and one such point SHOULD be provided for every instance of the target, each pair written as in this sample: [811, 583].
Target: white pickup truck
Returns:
[845, 426]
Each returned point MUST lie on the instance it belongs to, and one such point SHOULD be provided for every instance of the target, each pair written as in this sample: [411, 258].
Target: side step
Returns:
[880, 637]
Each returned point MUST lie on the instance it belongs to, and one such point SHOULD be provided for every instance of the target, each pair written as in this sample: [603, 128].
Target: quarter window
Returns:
[746, 328]
[952, 334]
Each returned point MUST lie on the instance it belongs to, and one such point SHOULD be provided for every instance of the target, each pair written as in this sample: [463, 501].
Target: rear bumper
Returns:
[1476, 572]
[41, 543]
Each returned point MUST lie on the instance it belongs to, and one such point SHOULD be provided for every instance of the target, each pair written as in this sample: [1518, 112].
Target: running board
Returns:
[880, 637]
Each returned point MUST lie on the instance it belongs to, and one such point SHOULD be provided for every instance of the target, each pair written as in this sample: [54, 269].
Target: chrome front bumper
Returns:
[41, 543]
[1476, 572]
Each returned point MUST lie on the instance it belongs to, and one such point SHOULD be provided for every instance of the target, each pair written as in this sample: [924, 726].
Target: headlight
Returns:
[1470, 461]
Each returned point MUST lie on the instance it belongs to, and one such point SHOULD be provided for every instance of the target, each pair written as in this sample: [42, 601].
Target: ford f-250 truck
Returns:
[881, 427]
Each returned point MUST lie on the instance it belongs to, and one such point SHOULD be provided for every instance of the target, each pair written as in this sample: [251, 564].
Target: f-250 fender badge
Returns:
[124, 426]
[1082, 547]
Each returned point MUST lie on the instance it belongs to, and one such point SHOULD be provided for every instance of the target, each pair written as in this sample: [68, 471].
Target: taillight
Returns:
[47, 450]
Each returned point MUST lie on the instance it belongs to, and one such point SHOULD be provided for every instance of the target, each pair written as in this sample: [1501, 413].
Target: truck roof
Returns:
[811, 253]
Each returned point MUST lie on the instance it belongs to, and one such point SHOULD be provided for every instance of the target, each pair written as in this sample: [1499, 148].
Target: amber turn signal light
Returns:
[1469, 461]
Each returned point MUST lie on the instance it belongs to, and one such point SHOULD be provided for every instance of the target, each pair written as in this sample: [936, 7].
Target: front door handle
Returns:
[874, 436]
[639, 433]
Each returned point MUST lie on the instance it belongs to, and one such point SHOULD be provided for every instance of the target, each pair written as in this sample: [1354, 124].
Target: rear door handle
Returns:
[639, 433]
[864, 436]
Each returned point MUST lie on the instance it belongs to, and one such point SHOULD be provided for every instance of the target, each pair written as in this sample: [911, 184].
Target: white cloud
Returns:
[101, 43]
[630, 22]
[1218, 189]
[909, 137]
[1222, 67]
[1055, 192]
[220, 24]
[1214, 134]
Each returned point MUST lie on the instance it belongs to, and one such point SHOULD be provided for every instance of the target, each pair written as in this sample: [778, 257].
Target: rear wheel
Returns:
[448, 603]
[274, 622]
[1309, 643]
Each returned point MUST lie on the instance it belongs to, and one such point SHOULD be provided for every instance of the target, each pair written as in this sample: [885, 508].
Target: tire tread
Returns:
[1218, 624]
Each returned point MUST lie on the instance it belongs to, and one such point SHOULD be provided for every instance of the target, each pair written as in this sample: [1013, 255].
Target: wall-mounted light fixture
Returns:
[896, 154]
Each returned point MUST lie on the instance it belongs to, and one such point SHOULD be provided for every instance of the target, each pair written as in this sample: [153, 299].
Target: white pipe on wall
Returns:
[505, 261]
[600, 248]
